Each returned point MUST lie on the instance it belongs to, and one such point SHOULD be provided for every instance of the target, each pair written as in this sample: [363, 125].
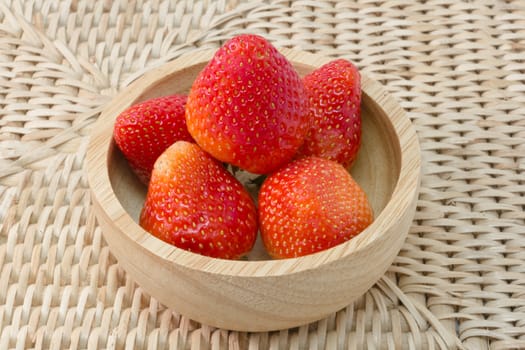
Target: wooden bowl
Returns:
[259, 294]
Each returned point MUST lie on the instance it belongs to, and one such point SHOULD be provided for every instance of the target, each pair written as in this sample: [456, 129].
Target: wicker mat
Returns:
[458, 68]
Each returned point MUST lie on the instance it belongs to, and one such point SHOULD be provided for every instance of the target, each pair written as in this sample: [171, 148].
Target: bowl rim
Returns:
[103, 195]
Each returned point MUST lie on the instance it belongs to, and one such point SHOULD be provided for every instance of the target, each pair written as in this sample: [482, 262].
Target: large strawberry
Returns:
[194, 203]
[334, 91]
[248, 106]
[310, 205]
[146, 129]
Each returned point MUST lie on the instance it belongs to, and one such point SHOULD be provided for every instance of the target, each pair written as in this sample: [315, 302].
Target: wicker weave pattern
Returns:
[457, 67]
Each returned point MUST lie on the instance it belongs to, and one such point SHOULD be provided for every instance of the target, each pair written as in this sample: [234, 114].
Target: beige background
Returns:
[457, 67]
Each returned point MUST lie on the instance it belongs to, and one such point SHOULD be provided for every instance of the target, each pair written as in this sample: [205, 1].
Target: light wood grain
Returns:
[259, 295]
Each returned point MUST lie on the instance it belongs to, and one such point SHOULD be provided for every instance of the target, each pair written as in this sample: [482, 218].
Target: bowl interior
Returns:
[377, 167]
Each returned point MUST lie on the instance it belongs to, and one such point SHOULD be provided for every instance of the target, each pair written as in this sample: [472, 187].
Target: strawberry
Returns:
[248, 106]
[334, 92]
[194, 203]
[145, 130]
[310, 205]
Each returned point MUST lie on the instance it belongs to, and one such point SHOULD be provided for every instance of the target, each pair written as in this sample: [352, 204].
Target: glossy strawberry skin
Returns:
[194, 203]
[310, 205]
[143, 131]
[334, 92]
[248, 106]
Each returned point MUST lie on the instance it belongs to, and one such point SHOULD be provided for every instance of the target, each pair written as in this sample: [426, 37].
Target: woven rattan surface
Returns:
[457, 67]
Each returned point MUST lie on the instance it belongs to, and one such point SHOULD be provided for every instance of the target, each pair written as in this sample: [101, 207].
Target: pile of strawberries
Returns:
[249, 109]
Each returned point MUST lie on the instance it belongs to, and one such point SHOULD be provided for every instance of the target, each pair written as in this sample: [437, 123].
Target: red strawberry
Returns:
[248, 106]
[310, 205]
[194, 203]
[145, 130]
[334, 91]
